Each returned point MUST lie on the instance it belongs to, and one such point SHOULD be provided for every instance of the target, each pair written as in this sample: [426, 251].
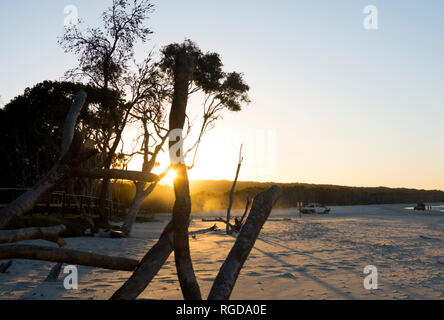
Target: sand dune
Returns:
[316, 257]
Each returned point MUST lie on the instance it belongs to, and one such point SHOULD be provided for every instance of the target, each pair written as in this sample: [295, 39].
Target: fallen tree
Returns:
[45, 233]
[69, 256]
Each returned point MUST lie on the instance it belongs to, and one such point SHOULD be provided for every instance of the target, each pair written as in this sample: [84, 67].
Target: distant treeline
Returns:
[209, 195]
[162, 198]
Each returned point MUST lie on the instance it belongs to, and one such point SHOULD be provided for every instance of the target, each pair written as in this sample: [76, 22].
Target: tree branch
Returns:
[113, 174]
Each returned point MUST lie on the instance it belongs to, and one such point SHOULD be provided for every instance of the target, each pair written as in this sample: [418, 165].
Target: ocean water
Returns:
[434, 208]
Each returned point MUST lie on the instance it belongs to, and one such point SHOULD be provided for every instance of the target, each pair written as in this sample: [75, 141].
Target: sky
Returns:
[332, 102]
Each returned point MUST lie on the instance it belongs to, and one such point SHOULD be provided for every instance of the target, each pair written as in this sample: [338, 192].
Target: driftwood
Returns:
[45, 233]
[230, 204]
[148, 267]
[228, 273]
[217, 220]
[67, 256]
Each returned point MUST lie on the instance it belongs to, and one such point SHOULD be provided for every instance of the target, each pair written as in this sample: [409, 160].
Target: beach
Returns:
[313, 257]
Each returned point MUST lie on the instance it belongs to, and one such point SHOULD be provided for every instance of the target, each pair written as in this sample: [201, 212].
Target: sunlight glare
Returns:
[169, 178]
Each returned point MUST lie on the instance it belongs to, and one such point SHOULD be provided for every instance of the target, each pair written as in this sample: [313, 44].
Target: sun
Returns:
[169, 178]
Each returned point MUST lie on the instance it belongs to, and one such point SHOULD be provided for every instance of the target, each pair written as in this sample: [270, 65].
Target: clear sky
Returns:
[332, 102]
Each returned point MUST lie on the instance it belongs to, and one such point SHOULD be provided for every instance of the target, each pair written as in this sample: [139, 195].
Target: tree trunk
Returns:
[148, 267]
[140, 196]
[182, 205]
[228, 273]
[68, 256]
[103, 220]
[135, 207]
[181, 220]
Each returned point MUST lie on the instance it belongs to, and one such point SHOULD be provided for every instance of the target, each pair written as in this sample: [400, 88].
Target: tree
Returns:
[220, 90]
[104, 55]
[174, 237]
[31, 129]
[151, 115]
[192, 71]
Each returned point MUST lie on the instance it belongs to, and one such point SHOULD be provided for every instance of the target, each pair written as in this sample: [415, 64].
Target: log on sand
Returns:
[67, 256]
[45, 233]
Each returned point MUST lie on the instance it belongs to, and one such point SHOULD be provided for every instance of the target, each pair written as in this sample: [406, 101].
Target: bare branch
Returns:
[113, 174]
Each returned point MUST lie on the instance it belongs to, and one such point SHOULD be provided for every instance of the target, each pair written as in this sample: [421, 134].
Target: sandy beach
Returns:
[313, 257]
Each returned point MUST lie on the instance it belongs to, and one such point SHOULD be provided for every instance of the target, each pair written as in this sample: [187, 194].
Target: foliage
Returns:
[31, 127]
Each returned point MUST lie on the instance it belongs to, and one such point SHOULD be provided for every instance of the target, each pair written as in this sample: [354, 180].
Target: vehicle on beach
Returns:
[313, 208]
[420, 206]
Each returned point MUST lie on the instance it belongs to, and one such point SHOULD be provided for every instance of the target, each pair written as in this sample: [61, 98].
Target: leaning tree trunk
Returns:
[135, 205]
[141, 195]
[228, 273]
[148, 267]
[182, 204]
[56, 175]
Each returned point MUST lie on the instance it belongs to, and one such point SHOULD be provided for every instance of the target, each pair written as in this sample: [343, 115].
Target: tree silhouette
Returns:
[104, 56]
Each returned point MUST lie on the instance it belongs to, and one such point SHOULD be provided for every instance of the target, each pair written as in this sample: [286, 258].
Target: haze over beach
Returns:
[198, 150]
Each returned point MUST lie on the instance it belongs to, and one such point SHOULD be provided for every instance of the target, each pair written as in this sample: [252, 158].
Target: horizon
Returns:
[306, 183]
